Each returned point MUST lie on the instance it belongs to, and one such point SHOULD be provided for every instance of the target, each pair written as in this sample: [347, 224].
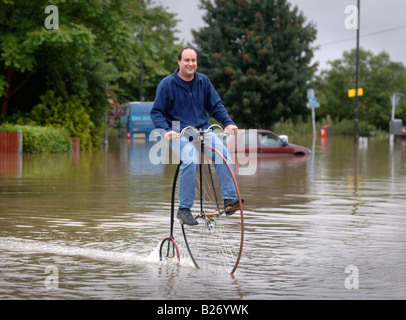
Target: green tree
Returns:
[379, 78]
[96, 43]
[157, 49]
[257, 53]
[28, 49]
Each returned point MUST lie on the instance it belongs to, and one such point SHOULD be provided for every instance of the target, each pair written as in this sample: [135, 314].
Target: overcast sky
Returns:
[382, 27]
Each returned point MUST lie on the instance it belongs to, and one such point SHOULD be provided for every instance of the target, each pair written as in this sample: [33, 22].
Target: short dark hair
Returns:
[183, 49]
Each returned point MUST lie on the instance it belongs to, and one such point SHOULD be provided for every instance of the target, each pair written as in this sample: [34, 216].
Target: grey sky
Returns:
[383, 25]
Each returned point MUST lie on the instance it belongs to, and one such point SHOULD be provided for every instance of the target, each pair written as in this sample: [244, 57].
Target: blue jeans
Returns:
[188, 153]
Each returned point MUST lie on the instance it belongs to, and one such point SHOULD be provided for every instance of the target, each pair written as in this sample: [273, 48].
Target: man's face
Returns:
[188, 64]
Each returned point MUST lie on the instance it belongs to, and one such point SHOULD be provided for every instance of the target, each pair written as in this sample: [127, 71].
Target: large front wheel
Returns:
[217, 242]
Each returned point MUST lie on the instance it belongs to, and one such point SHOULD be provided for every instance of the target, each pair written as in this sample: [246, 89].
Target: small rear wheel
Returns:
[169, 249]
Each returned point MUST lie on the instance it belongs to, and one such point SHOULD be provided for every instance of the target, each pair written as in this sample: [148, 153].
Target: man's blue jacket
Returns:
[175, 101]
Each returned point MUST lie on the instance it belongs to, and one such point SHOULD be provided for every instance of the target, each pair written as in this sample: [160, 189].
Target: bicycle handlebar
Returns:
[200, 130]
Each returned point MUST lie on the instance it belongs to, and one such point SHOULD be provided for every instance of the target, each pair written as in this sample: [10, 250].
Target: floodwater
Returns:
[88, 226]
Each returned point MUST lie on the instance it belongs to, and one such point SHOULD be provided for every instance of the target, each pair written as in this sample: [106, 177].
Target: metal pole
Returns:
[142, 70]
[314, 122]
[20, 138]
[357, 78]
[106, 119]
[142, 64]
[106, 123]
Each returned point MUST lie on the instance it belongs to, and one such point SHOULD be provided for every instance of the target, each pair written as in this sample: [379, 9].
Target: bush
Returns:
[18, 117]
[290, 128]
[41, 139]
[346, 127]
[71, 113]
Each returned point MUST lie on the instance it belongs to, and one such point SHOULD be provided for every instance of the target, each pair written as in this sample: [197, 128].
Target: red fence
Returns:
[8, 142]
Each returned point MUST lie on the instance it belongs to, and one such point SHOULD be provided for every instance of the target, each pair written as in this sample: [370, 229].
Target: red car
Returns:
[263, 142]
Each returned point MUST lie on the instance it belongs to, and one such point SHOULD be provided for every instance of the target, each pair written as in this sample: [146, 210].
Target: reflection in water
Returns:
[10, 164]
[99, 218]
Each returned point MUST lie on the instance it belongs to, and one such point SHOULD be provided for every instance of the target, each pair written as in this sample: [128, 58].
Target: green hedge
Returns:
[38, 139]
[343, 127]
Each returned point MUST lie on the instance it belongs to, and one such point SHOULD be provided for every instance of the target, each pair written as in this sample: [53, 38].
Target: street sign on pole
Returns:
[311, 93]
[395, 98]
[351, 92]
[313, 104]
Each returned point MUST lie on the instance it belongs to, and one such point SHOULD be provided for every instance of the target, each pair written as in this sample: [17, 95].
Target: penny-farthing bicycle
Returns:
[216, 242]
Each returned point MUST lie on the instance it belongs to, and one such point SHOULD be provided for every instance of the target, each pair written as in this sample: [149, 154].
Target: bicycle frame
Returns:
[201, 139]
[172, 217]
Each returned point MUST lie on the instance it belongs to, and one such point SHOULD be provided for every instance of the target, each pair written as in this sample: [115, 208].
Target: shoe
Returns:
[231, 206]
[185, 216]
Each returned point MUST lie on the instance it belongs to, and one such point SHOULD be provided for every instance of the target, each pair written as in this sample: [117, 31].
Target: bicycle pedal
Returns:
[230, 210]
[211, 215]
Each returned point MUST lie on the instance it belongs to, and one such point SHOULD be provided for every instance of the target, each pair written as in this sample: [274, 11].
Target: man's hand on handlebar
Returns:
[231, 129]
[171, 135]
